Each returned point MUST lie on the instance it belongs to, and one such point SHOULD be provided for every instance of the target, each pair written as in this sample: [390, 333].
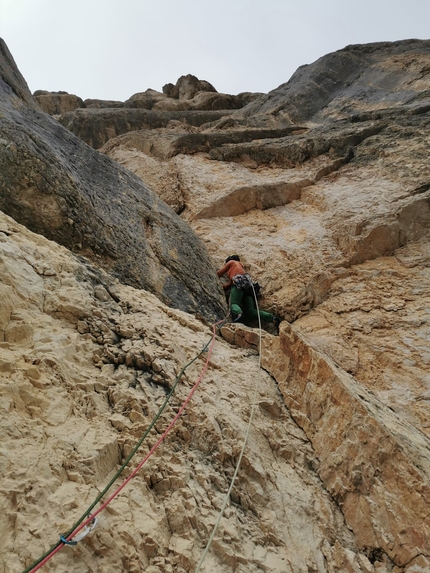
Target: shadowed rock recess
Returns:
[57, 186]
[322, 187]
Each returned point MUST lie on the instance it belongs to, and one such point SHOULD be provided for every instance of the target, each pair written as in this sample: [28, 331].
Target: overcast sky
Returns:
[111, 49]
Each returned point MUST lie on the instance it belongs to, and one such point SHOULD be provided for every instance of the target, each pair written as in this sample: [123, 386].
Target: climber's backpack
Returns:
[246, 284]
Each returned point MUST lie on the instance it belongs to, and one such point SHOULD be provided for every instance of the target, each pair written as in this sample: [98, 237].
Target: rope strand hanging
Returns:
[245, 441]
[87, 519]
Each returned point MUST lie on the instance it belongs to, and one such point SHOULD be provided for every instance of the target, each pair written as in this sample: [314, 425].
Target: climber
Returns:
[242, 292]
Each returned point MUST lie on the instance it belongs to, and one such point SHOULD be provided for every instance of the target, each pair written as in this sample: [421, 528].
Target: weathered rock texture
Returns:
[355, 80]
[56, 103]
[58, 186]
[191, 101]
[81, 377]
[375, 463]
[322, 186]
[96, 126]
[326, 188]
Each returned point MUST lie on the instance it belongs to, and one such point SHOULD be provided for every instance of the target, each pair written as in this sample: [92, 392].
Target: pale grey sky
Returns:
[111, 49]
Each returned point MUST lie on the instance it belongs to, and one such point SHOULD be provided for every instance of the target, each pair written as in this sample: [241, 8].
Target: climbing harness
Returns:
[87, 519]
[242, 282]
[227, 495]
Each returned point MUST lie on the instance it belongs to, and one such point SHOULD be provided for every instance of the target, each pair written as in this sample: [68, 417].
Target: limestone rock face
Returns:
[12, 82]
[85, 364]
[322, 187]
[339, 189]
[100, 103]
[189, 93]
[374, 458]
[188, 87]
[146, 100]
[355, 80]
[96, 126]
[191, 101]
[56, 103]
[59, 187]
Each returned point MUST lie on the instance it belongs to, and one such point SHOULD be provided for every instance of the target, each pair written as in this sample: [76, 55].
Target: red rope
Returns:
[145, 459]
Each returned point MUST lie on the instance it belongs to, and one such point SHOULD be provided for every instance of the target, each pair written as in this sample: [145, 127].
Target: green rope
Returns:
[119, 472]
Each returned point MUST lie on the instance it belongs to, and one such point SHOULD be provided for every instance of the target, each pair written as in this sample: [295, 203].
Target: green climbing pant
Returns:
[241, 303]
